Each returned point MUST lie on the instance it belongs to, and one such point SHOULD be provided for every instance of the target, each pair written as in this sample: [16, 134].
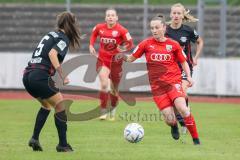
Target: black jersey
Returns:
[184, 36]
[40, 59]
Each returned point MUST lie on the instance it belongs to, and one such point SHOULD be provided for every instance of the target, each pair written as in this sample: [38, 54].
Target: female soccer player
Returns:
[46, 59]
[162, 57]
[114, 38]
[184, 35]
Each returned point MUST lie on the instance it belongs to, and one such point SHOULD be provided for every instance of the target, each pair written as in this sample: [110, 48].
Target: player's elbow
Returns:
[200, 41]
[131, 44]
[184, 63]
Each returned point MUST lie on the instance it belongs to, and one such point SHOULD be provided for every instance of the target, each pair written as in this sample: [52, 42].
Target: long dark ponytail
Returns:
[67, 21]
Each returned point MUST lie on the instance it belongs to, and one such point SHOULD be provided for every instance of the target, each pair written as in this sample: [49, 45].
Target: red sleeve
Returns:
[180, 56]
[94, 35]
[127, 39]
[139, 50]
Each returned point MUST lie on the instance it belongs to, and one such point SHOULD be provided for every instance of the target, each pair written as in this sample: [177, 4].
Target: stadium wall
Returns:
[213, 76]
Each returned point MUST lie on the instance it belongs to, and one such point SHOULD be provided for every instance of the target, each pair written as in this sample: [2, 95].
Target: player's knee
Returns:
[45, 104]
[104, 87]
[184, 111]
[170, 120]
[63, 105]
[60, 106]
[48, 107]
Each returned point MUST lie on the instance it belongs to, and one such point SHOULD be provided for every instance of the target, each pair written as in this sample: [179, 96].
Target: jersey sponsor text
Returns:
[160, 57]
[108, 40]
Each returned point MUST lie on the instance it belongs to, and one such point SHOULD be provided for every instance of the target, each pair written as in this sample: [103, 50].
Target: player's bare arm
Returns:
[126, 58]
[198, 50]
[92, 50]
[54, 60]
[186, 69]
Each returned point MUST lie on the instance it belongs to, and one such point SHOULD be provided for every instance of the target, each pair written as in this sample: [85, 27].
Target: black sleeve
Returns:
[61, 46]
[193, 35]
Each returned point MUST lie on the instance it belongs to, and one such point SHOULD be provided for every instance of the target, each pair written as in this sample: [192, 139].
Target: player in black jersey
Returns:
[184, 35]
[46, 59]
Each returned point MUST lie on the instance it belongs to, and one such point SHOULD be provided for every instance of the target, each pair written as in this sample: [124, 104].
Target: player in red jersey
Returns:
[114, 38]
[162, 57]
[184, 35]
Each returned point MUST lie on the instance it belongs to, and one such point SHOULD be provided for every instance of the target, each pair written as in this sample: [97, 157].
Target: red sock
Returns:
[114, 100]
[191, 126]
[103, 99]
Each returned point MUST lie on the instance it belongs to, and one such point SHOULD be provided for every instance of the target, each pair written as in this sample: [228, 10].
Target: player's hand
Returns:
[92, 51]
[83, 36]
[195, 61]
[122, 48]
[66, 81]
[190, 81]
[118, 57]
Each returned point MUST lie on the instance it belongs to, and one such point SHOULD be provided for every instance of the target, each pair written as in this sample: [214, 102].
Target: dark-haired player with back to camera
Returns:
[184, 35]
[162, 56]
[114, 38]
[46, 60]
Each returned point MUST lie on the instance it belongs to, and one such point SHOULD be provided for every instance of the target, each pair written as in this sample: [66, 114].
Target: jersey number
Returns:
[40, 46]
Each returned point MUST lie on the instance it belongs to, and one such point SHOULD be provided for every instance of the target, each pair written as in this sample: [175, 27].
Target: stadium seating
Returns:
[23, 25]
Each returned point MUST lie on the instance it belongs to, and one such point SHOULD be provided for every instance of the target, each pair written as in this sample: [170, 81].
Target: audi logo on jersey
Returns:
[108, 40]
[160, 57]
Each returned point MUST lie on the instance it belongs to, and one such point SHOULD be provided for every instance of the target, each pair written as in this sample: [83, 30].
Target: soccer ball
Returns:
[133, 132]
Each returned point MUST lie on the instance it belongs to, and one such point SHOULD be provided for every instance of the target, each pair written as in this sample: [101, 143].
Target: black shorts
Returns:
[39, 84]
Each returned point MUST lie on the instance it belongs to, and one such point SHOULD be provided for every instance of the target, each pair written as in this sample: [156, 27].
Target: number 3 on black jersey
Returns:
[40, 46]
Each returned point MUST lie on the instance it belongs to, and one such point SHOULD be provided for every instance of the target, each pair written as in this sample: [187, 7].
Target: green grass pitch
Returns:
[218, 125]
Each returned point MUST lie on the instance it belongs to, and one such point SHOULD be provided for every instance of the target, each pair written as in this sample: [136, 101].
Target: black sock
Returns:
[180, 120]
[40, 121]
[175, 126]
[61, 124]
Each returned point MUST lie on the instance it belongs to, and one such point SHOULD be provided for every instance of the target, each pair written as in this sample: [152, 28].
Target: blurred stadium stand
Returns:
[23, 25]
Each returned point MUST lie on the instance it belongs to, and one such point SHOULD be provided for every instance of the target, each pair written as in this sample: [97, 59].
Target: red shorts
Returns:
[115, 68]
[167, 99]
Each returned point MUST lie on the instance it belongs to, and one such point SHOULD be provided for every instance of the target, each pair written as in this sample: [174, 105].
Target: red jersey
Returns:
[162, 61]
[110, 38]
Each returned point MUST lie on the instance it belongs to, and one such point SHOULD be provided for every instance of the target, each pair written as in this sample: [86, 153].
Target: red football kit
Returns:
[164, 74]
[162, 64]
[110, 39]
